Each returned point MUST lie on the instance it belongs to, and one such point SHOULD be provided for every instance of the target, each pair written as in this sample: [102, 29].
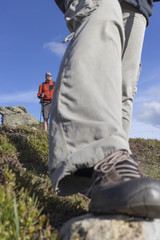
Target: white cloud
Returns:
[144, 130]
[19, 97]
[150, 113]
[148, 95]
[56, 48]
[153, 92]
[147, 105]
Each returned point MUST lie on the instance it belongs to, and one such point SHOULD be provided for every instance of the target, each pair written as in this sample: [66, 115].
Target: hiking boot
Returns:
[119, 188]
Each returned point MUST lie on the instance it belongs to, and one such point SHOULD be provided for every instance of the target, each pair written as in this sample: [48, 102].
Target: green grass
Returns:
[29, 208]
[24, 175]
[20, 215]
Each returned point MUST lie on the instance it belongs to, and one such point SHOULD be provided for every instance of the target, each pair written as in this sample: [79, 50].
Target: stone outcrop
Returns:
[90, 227]
[17, 116]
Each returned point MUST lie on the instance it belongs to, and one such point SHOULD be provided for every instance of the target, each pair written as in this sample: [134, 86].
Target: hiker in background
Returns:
[45, 94]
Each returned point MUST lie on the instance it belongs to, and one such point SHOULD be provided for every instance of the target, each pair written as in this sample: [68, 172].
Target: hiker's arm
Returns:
[40, 94]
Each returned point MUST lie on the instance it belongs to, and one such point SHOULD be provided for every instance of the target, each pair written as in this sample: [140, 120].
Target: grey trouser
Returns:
[46, 110]
[92, 107]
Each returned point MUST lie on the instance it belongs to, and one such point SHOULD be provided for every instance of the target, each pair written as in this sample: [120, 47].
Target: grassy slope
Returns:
[148, 154]
[25, 152]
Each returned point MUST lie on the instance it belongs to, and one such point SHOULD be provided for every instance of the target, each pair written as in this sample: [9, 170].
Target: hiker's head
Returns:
[48, 76]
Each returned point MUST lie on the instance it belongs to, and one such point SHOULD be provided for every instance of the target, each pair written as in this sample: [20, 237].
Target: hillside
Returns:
[29, 209]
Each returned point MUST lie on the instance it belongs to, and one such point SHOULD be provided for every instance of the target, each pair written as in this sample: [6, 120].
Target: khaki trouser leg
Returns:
[134, 26]
[86, 114]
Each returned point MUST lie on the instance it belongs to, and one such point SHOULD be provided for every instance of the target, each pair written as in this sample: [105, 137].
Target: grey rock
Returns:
[17, 116]
[35, 129]
[90, 227]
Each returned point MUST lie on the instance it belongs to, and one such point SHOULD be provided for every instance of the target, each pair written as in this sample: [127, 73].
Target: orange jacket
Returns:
[48, 89]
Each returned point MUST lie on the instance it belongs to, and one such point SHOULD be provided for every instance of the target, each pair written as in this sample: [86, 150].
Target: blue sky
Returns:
[30, 45]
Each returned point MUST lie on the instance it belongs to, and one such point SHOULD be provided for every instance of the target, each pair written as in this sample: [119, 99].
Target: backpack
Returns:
[60, 4]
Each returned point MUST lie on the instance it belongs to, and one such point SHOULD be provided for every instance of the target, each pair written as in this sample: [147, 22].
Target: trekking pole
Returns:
[41, 102]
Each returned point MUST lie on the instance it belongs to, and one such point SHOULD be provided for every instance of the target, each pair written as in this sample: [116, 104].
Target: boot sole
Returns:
[138, 198]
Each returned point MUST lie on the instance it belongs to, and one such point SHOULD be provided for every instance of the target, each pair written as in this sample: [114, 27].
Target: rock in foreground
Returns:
[90, 227]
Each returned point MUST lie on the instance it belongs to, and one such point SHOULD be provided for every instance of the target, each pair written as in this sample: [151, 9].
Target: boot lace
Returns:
[117, 167]
[122, 162]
